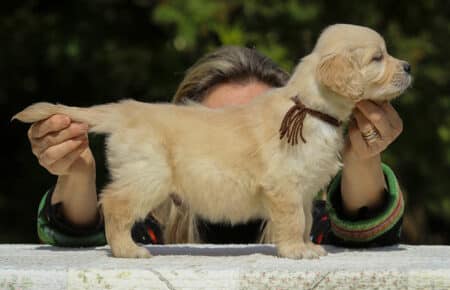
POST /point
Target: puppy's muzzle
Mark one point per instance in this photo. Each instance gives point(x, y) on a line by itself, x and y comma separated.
point(402, 78)
point(406, 67)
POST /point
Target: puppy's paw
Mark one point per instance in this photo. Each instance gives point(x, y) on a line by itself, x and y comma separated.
point(297, 251)
point(134, 252)
point(317, 248)
point(142, 252)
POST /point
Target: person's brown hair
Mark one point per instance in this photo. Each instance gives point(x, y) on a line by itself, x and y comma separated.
point(228, 64)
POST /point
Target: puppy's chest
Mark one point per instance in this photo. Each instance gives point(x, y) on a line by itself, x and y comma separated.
point(317, 160)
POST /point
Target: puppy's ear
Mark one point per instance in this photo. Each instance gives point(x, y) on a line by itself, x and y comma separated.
point(337, 73)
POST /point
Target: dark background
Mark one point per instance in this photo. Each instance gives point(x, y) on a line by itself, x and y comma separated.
point(96, 51)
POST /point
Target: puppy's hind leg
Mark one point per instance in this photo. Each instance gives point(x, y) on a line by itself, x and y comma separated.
point(119, 218)
point(121, 207)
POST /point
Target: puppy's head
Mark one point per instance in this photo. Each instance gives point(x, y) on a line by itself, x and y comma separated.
point(354, 63)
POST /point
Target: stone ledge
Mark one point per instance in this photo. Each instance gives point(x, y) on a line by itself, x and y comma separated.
point(224, 267)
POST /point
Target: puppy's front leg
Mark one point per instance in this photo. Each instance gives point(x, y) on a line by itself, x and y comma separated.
point(288, 224)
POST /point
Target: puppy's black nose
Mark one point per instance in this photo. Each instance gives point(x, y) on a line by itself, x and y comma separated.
point(407, 67)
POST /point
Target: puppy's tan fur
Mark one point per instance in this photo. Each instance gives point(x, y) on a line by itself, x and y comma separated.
point(229, 164)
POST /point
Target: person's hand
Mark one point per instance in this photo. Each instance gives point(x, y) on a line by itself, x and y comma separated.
point(61, 146)
point(373, 129)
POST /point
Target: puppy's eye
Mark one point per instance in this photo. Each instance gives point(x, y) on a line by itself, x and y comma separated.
point(377, 57)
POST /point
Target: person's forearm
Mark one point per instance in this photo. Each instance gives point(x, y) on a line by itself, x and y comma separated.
point(78, 195)
point(363, 183)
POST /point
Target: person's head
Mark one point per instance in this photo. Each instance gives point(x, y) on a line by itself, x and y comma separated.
point(230, 75)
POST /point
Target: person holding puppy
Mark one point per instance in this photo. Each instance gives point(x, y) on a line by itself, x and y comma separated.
point(363, 207)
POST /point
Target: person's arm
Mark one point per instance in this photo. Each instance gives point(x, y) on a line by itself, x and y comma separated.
point(77, 193)
point(364, 202)
point(363, 183)
point(67, 214)
point(62, 147)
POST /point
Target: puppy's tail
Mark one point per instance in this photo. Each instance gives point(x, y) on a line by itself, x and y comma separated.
point(97, 117)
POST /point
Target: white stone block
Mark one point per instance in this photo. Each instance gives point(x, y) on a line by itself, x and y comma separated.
point(224, 267)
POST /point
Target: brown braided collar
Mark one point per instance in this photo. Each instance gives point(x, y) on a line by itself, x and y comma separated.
point(292, 123)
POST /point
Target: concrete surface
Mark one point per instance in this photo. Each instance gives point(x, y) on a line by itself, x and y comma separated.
point(223, 267)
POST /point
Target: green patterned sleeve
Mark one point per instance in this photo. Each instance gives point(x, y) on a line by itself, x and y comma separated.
point(51, 231)
point(382, 227)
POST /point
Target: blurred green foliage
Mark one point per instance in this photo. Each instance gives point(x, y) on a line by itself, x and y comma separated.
point(95, 51)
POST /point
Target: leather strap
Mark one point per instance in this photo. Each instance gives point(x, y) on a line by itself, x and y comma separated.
point(292, 124)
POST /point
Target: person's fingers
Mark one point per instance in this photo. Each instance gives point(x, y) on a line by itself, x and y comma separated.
point(393, 117)
point(63, 165)
point(375, 145)
point(52, 124)
point(362, 122)
point(56, 152)
point(51, 139)
point(376, 117)
point(358, 143)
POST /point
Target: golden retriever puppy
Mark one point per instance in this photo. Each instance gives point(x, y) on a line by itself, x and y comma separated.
point(266, 159)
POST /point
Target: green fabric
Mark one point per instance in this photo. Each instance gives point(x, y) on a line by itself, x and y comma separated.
point(394, 196)
point(43, 234)
point(51, 236)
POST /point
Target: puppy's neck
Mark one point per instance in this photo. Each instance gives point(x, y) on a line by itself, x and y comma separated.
point(303, 83)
